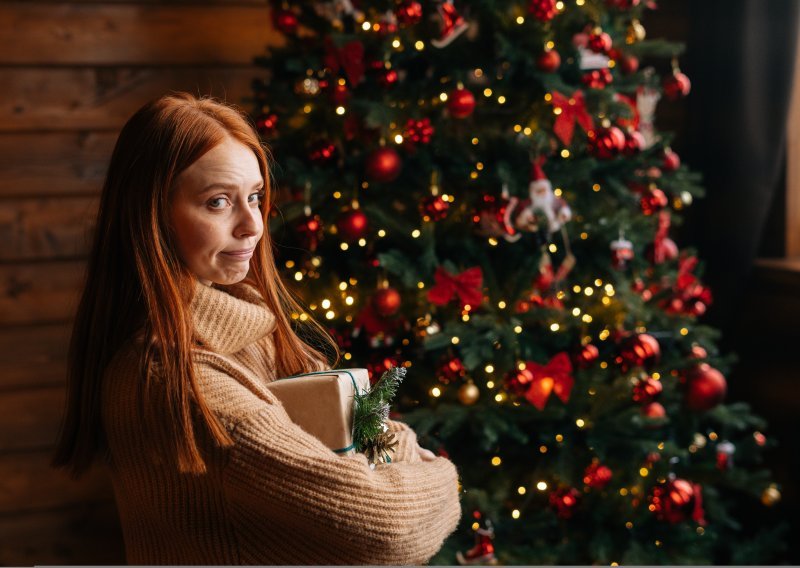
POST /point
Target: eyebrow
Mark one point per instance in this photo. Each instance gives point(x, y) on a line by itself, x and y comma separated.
point(231, 186)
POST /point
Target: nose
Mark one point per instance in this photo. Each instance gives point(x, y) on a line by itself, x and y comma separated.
point(249, 223)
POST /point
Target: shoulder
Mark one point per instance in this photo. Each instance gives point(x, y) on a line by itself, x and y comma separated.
point(228, 389)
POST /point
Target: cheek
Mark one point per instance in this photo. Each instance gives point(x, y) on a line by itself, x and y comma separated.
point(196, 237)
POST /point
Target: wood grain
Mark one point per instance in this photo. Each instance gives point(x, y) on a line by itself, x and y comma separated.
point(84, 534)
point(29, 483)
point(118, 34)
point(31, 418)
point(103, 98)
point(45, 227)
point(51, 163)
point(33, 356)
point(39, 292)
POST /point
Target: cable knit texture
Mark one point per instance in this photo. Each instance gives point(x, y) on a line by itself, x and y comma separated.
point(278, 495)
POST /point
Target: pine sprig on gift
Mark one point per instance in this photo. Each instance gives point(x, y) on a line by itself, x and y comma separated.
point(371, 413)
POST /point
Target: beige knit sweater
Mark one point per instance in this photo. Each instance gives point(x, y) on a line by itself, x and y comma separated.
point(278, 496)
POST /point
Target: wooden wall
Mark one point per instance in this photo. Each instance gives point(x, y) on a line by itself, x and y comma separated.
point(70, 75)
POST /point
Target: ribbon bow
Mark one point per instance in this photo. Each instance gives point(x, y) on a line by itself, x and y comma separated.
point(573, 109)
point(350, 57)
point(554, 377)
point(467, 286)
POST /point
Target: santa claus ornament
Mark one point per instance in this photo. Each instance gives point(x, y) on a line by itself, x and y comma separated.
point(453, 24)
point(541, 199)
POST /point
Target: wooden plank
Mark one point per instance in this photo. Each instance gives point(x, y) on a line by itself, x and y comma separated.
point(33, 356)
point(40, 292)
point(95, 98)
point(101, 34)
point(49, 163)
point(46, 227)
point(31, 418)
point(86, 534)
point(793, 166)
point(28, 483)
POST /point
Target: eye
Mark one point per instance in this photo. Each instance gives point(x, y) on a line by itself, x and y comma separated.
point(217, 202)
point(257, 197)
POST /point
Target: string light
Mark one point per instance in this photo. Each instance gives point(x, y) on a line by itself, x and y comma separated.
point(415, 233)
point(596, 187)
point(474, 141)
point(330, 314)
point(344, 246)
point(307, 109)
point(489, 369)
point(381, 233)
point(436, 392)
point(565, 153)
point(443, 97)
point(517, 128)
point(644, 472)
point(419, 46)
point(326, 303)
point(542, 449)
point(501, 304)
point(487, 92)
point(541, 486)
point(517, 329)
point(420, 285)
point(580, 423)
point(347, 356)
point(396, 43)
point(340, 110)
point(515, 514)
point(496, 461)
point(337, 194)
point(349, 300)
point(527, 131)
point(398, 138)
point(559, 438)
point(298, 276)
point(520, 20)
point(455, 340)
point(684, 331)
point(501, 100)
point(521, 490)
point(489, 384)
point(554, 327)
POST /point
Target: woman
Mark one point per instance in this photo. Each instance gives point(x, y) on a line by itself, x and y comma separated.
point(182, 323)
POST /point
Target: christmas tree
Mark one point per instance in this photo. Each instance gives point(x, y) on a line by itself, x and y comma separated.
point(476, 190)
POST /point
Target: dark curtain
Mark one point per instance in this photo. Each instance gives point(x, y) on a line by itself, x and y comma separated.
point(740, 57)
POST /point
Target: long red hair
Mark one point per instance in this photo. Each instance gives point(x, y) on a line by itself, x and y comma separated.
point(135, 281)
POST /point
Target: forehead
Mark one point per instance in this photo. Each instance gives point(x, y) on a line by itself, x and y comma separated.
point(229, 162)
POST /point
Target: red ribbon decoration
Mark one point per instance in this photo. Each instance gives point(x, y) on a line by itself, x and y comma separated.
point(659, 250)
point(467, 286)
point(350, 57)
point(554, 377)
point(573, 110)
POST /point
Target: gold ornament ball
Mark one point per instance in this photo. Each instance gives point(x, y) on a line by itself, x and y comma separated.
point(636, 32)
point(770, 496)
point(468, 394)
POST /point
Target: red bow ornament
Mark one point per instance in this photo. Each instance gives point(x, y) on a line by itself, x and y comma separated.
point(554, 377)
point(573, 109)
point(467, 286)
point(349, 57)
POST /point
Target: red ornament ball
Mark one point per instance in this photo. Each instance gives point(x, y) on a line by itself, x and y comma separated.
point(418, 131)
point(653, 410)
point(671, 161)
point(461, 103)
point(549, 61)
point(705, 387)
point(647, 390)
point(641, 350)
point(386, 302)
point(352, 225)
point(518, 381)
point(606, 143)
point(677, 86)
point(267, 123)
point(629, 64)
point(653, 200)
point(599, 42)
point(634, 142)
point(563, 501)
point(597, 475)
point(587, 355)
point(409, 13)
point(542, 10)
point(451, 369)
point(323, 152)
point(677, 500)
point(434, 207)
point(384, 165)
point(285, 20)
point(597, 78)
point(388, 78)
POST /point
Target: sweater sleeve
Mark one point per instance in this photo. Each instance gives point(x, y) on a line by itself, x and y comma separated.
point(398, 513)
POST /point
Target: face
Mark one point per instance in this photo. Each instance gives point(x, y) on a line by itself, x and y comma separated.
point(215, 213)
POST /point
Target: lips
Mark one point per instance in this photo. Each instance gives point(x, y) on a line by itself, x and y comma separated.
point(239, 254)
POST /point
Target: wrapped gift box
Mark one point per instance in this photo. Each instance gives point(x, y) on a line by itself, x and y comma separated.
point(321, 403)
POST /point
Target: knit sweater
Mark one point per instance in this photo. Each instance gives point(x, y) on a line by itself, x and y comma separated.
point(277, 495)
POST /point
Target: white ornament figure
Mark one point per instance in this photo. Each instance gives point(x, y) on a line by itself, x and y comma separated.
point(544, 200)
point(646, 100)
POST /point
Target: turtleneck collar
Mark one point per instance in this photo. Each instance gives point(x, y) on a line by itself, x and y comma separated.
point(228, 318)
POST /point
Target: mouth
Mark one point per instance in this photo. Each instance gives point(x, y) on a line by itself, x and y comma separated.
point(243, 254)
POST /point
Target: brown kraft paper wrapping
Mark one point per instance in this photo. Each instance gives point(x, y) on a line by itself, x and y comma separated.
point(321, 403)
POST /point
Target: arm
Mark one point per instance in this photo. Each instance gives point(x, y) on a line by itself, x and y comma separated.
point(398, 513)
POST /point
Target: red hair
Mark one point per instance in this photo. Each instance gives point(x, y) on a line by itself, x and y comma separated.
point(136, 281)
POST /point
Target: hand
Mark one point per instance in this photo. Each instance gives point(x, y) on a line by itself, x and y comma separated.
point(425, 455)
